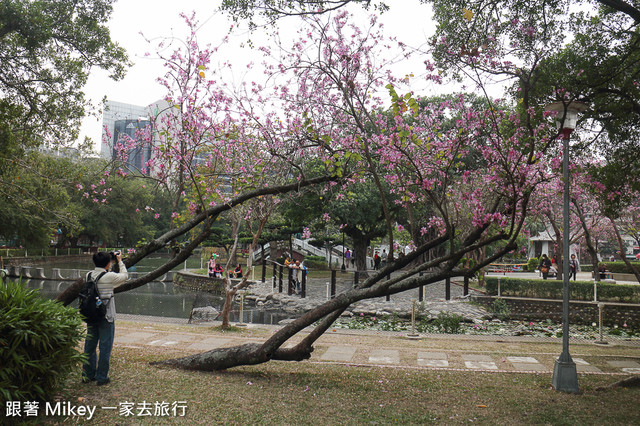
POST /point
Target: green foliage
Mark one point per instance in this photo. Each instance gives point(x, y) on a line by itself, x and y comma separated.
point(552, 289)
point(448, 322)
point(619, 267)
point(38, 344)
point(316, 262)
point(48, 49)
point(35, 199)
point(532, 264)
point(500, 309)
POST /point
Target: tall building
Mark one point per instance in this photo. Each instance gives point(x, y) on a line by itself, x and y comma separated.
point(117, 111)
point(122, 123)
point(138, 155)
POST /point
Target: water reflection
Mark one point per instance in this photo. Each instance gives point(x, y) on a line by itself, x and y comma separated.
point(161, 299)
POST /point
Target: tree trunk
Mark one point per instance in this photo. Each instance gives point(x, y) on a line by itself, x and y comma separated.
point(226, 309)
point(593, 253)
point(623, 251)
point(360, 249)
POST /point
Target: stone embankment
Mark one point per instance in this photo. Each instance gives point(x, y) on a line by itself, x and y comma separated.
point(262, 295)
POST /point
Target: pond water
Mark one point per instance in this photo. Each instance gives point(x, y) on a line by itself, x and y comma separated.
point(161, 299)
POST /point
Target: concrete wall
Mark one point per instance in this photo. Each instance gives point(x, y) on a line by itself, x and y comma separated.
point(199, 282)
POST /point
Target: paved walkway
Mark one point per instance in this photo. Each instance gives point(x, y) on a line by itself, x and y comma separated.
point(390, 349)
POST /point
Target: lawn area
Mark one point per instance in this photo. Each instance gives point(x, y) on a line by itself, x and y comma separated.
point(326, 393)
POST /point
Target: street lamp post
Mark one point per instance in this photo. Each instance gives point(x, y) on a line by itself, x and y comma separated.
point(343, 267)
point(565, 376)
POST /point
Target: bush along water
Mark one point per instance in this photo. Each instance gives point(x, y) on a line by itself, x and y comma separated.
point(38, 344)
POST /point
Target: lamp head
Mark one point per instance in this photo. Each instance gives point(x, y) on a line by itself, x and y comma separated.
point(567, 117)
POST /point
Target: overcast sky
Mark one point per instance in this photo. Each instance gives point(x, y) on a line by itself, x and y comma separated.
point(407, 20)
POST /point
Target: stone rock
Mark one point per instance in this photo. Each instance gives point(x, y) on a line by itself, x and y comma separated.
point(204, 313)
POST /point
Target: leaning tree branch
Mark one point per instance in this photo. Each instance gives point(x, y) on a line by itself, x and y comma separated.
point(72, 292)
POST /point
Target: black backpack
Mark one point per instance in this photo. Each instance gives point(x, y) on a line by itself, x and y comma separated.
point(91, 306)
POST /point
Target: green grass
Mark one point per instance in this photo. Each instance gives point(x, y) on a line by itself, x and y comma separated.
point(323, 393)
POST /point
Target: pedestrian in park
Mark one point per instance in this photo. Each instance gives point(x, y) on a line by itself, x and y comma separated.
point(212, 266)
point(102, 333)
point(545, 264)
point(383, 259)
point(347, 256)
point(237, 273)
point(295, 267)
point(376, 261)
point(574, 267)
point(218, 271)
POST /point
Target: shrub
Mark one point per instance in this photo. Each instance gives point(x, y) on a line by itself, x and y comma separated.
point(552, 289)
point(500, 309)
point(619, 267)
point(448, 322)
point(532, 265)
point(317, 265)
point(38, 341)
point(316, 258)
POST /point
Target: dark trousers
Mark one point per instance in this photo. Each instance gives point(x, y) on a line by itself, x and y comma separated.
point(100, 335)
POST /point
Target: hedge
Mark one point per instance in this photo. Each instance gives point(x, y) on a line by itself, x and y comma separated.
point(552, 289)
point(618, 267)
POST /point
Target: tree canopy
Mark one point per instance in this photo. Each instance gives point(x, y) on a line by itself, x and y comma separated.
point(47, 48)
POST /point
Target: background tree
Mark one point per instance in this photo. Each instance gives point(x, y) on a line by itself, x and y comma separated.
point(36, 199)
point(331, 97)
point(47, 49)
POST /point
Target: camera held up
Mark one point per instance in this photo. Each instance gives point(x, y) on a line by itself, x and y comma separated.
point(115, 266)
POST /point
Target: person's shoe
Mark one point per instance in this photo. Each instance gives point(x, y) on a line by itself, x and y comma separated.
point(88, 380)
point(106, 382)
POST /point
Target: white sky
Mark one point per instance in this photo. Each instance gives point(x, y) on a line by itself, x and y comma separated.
point(408, 20)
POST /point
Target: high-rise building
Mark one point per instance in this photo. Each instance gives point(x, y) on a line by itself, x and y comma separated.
point(126, 123)
point(139, 153)
point(117, 111)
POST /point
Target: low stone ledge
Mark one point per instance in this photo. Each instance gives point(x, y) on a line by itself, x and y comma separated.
point(197, 282)
point(580, 312)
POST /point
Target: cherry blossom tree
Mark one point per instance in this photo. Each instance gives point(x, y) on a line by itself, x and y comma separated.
point(477, 175)
point(330, 98)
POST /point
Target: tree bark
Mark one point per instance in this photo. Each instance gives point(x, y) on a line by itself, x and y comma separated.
point(623, 251)
point(593, 253)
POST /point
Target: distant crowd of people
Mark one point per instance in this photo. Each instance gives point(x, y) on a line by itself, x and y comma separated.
point(217, 271)
point(549, 267)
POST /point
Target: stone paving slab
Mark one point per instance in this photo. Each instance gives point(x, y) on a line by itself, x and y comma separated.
point(339, 353)
point(587, 369)
point(624, 364)
point(583, 366)
point(522, 359)
point(432, 355)
point(477, 358)
point(385, 356)
point(209, 343)
point(442, 363)
point(481, 365)
point(631, 370)
point(432, 359)
point(135, 337)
